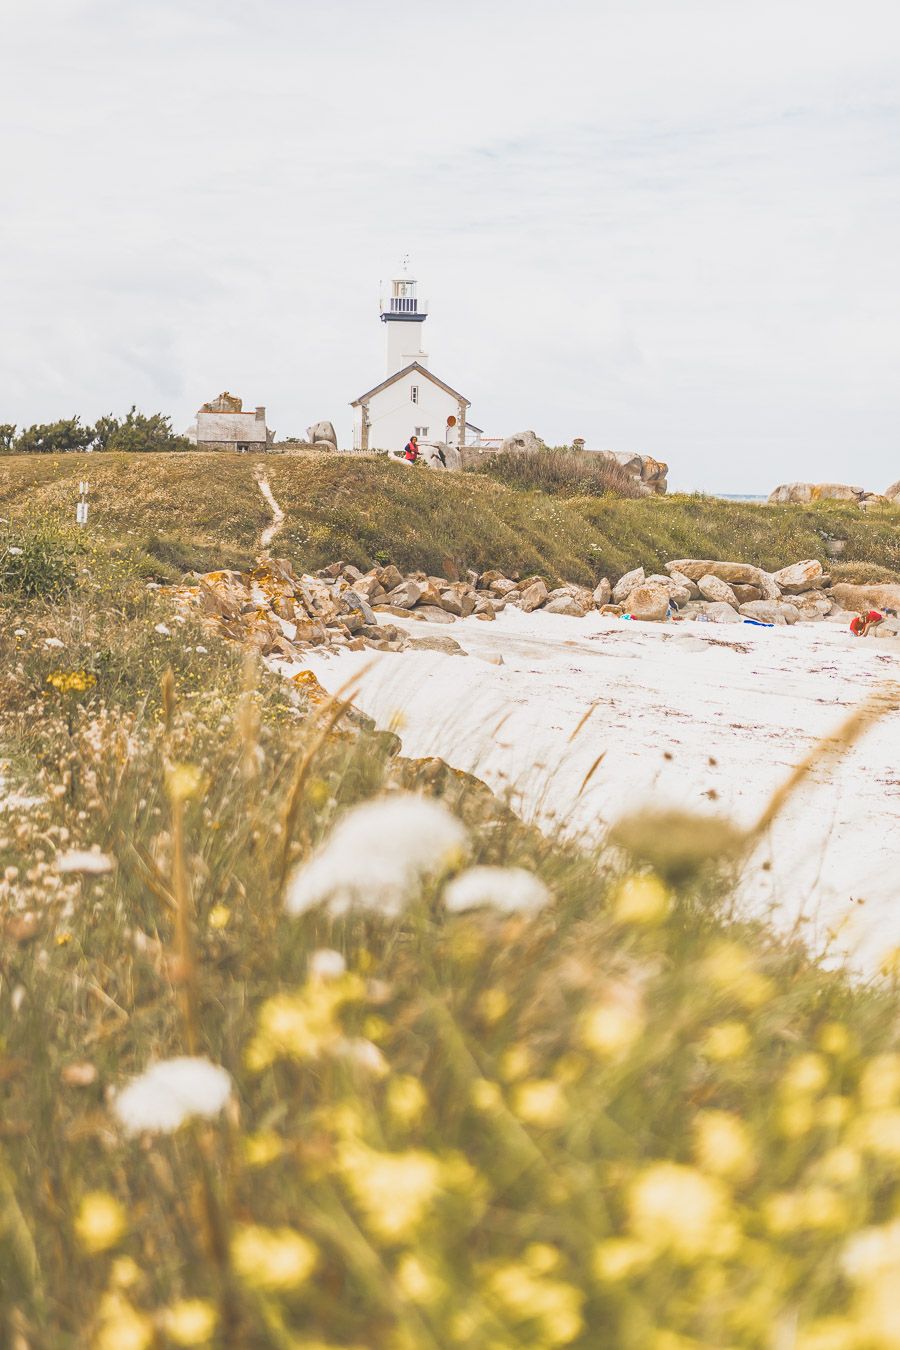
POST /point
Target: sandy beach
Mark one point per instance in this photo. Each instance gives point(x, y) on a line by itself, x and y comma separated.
point(708, 717)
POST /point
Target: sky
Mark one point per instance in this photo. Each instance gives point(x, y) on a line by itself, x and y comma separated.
point(666, 226)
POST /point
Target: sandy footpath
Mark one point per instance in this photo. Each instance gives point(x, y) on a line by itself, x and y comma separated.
point(709, 717)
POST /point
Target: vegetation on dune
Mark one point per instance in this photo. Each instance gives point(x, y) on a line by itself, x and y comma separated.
point(561, 472)
point(193, 511)
point(595, 1109)
point(134, 433)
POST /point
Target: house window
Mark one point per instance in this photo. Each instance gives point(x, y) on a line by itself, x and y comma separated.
point(421, 431)
point(414, 393)
point(242, 448)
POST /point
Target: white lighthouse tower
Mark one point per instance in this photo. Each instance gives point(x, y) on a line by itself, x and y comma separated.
point(403, 314)
point(411, 400)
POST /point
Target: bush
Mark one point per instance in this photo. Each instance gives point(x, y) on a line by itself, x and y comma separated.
point(38, 561)
point(560, 472)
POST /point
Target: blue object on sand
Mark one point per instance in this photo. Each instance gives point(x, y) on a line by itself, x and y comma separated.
point(758, 623)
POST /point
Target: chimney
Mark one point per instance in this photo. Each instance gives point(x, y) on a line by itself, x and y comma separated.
point(260, 414)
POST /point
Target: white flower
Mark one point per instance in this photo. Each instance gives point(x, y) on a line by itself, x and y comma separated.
point(53, 642)
point(164, 1096)
point(20, 632)
point(509, 889)
point(202, 650)
point(377, 854)
point(91, 862)
point(327, 964)
point(163, 630)
point(15, 552)
point(872, 1252)
point(363, 1055)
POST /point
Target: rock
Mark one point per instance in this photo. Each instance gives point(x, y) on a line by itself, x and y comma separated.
point(811, 608)
point(893, 492)
point(744, 594)
point(602, 593)
point(880, 595)
point(472, 579)
point(487, 614)
point(626, 584)
point(370, 587)
point(488, 578)
point(769, 586)
point(357, 601)
point(695, 568)
point(434, 614)
point(533, 596)
point(679, 591)
point(389, 577)
point(719, 611)
point(771, 611)
point(484, 606)
point(801, 576)
point(407, 594)
point(436, 644)
point(816, 492)
point(522, 441)
point(503, 586)
point(717, 590)
point(649, 602)
point(322, 433)
point(564, 604)
point(690, 586)
point(492, 658)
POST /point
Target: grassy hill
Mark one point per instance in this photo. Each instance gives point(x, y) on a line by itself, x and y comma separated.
point(195, 511)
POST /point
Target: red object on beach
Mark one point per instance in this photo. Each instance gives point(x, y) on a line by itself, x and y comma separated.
point(862, 622)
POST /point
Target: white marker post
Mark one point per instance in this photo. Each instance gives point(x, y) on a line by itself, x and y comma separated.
point(81, 510)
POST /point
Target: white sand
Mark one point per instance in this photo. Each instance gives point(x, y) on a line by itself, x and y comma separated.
point(708, 717)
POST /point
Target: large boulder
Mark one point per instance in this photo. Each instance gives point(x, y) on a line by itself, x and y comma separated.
point(808, 575)
point(792, 492)
point(533, 596)
point(649, 601)
point(880, 595)
point(564, 604)
point(625, 585)
point(322, 434)
point(816, 492)
point(893, 492)
point(771, 611)
point(680, 589)
point(714, 588)
point(695, 568)
point(522, 440)
point(602, 593)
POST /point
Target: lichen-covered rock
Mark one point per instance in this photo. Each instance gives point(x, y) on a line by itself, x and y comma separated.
point(602, 593)
point(626, 584)
point(695, 568)
point(533, 596)
point(564, 604)
point(800, 576)
point(649, 602)
point(715, 589)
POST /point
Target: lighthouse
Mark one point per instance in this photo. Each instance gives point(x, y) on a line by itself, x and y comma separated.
point(411, 400)
point(403, 315)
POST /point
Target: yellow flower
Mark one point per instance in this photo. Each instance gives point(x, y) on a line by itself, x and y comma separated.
point(184, 781)
point(542, 1258)
point(123, 1273)
point(272, 1259)
point(262, 1148)
point(122, 1327)
point(839, 1165)
point(726, 1040)
point(416, 1281)
point(515, 1063)
point(731, 969)
point(492, 1005)
point(829, 1333)
point(525, 1296)
point(818, 1207)
point(834, 1111)
point(642, 900)
point(722, 1144)
point(879, 1133)
point(796, 1118)
point(805, 1075)
point(613, 1026)
point(393, 1190)
point(879, 1084)
point(540, 1101)
point(485, 1095)
point(303, 1025)
point(190, 1321)
point(835, 1039)
point(406, 1099)
point(100, 1222)
point(219, 916)
point(618, 1258)
point(677, 1209)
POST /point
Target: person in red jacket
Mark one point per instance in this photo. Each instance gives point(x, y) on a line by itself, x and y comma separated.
point(864, 623)
point(412, 450)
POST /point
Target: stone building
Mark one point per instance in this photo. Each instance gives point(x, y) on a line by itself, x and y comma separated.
point(223, 425)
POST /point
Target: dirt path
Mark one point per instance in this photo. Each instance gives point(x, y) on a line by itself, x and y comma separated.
point(269, 533)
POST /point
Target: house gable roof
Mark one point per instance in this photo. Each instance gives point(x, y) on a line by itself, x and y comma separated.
point(420, 370)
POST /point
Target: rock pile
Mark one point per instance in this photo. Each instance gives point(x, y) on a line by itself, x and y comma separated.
point(282, 614)
point(835, 492)
point(727, 592)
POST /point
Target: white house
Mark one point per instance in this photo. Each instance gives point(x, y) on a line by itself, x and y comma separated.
point(223, 425)
point(410, 400)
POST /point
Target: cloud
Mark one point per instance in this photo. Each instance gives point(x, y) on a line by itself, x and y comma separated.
point(666, 228)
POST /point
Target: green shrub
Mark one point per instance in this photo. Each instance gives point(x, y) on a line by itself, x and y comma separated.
point(560, 472)
point(38, 560)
